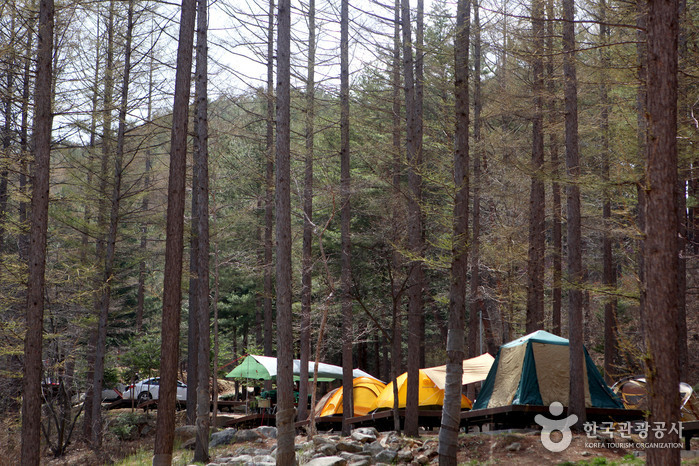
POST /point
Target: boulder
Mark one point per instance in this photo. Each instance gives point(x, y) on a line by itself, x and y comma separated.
point(405, 455)
point(350, 446)
point(328, 461)
point(246, 436)
point(363, 437)
point(514, 446)
point(267, 431)
point(386, 456)
point(327, 449)
point(184, 433)
point(222, 437)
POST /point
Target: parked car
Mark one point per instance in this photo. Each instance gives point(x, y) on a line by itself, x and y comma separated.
point(148, 389)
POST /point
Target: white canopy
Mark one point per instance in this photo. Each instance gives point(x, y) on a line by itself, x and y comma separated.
point(265, 367)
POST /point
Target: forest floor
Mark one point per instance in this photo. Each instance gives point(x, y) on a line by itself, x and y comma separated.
point(513, 448)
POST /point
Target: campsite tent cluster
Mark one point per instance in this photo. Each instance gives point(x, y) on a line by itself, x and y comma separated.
point(532, 370)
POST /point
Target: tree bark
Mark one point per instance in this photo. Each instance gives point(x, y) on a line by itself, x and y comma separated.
point(396, 263)
point(345, 218)
point(269, 193)
point(285, 383)
point(172, 283)
point(557, 260)
point(537, 195)
point(201, 173)
point(611, 351)
point(307, 247)
point(31, 383)
point(661, 266)
point(449, 431)
point(477, 305)
point(642, 137)
point(576, 402)
point(415, 286)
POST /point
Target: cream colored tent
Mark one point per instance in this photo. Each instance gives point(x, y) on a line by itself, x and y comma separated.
point(475, 370)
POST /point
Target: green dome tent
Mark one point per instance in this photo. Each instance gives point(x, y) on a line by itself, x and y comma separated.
point(535, 370)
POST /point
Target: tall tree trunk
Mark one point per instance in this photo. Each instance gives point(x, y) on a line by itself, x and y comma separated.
point(172, 282)
point(23, 239)
point(201, 173)
point(307, 259)
point(7, 130)
point(683, 185)
point(661, 266)
point(609, 267)
point(141, 293)
point(415, 285)
point(449, 431)
point(269, 192)
point(396, 263)
point(537, 195)
point(557, 260)
point(642, 137)
point(102, 209)
point(192, 323)
point(285, 383)
point(31, 383)
point(345, 218)
point(477, 305)
point(110, 240)
point(576, 402)
point(214, 301)
point(419, 93)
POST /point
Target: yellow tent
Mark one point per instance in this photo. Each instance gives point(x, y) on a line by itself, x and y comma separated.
point(429, 393)
point(364, 390)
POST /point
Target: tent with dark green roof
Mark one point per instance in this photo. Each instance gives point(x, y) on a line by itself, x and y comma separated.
point(535, 370)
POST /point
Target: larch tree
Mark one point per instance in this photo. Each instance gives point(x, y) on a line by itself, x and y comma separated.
point(415, 238)
point(43, 121)
point(285, 383)
point(174, 242)
point(95, 365)
point(201, 174)
point(576, 399)
point(396, 259)
point(449, 431)
point(661, 264)
point(477, 305)
point(307, 247)
point(537, 193)
point(268, 283)
point(110, 252)
point(642, 140)
point(345, 218)
point(608, 264)
point(557, 220)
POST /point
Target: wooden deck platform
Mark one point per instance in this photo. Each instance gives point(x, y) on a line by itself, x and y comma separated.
point(513, 416)
point(520, 416)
